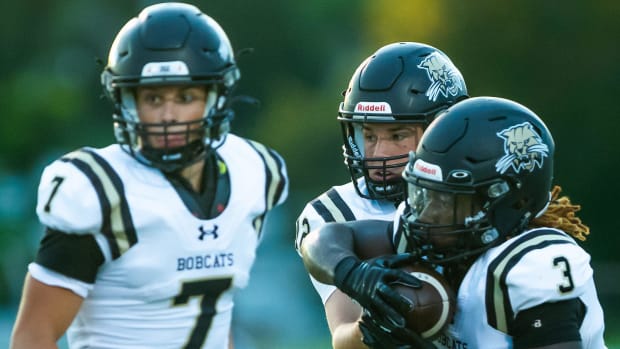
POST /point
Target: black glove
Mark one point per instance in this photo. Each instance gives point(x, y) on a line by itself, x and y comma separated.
point(369, 284)
point(377, 336)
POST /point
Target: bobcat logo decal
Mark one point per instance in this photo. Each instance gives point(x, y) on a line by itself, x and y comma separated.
point(445, 78)
point(524, 149)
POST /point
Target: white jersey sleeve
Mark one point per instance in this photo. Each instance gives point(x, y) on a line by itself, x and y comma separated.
point(557, 272)
point(540, 266)
point(76, 194)
point(276, 179)
point(338, 204)
point(67, 200)
point(328, 207)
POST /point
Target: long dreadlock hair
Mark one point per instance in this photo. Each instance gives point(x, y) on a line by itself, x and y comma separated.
point(560, 214)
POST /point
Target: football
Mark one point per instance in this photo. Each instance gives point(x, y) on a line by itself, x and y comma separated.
point(434, 303)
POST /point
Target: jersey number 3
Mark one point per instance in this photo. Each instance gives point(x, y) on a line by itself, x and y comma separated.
point(567, 285)
point(208, 291)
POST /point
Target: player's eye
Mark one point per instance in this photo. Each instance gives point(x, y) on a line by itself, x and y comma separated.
point(152, 99)
point(397, 137)
point(369, 137)
point(187, 97)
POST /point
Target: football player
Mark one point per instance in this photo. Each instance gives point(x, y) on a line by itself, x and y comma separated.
point(391, 98)
point(478, 207)
point(147, 240)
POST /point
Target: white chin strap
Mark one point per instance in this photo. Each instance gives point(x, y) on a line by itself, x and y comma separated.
point(213, 102)
point(210, 102)
point(544, 209)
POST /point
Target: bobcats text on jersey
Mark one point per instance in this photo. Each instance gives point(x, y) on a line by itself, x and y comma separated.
point(207, 261)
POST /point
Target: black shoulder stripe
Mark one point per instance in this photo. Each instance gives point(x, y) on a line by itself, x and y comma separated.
point(103, 201)
point(333, 195)
point(117, 225)
point(281, 184)
point(320, 208)
point(332, 208)
point(499, 308)
point(275, 179)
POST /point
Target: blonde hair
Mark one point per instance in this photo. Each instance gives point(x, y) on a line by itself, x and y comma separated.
point(561, 215)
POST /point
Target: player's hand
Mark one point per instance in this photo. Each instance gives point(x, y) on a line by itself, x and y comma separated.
point(369, 284)
point(381, 335)
point(376, 337)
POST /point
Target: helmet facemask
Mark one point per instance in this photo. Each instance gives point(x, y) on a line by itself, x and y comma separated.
point(382, 175)
point(448, 225)
point(149, 142)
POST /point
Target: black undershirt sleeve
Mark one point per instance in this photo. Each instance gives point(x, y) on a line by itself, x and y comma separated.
point(549, 323)
point(73, 255)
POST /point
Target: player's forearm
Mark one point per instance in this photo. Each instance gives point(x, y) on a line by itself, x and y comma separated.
point(23, 340)
point(322, 250)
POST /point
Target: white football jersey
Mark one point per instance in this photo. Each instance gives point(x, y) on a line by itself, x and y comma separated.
point(339, 204)
point(168, 277)
point(538, 266)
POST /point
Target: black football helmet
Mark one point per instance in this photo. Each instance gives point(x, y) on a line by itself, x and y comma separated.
point(404, 82)
point(481, 172)
point(167, 44)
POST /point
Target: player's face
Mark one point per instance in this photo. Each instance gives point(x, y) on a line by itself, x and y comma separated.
point(170, 115)
point(388, 140)
point(444, 214)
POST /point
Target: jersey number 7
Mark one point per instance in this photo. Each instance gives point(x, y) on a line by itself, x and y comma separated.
point(57, 182)
point(209, 291)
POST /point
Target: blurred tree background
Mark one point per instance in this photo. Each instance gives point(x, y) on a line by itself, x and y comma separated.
point(558, 58)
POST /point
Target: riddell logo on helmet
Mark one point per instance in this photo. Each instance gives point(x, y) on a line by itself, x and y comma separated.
point(373, 107)
point(422, 168)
